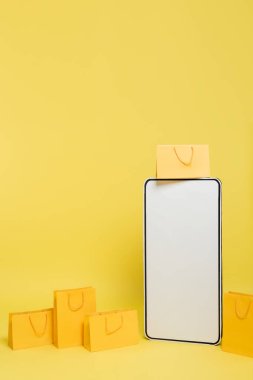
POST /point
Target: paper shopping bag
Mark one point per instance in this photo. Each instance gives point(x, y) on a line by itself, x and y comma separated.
point(182, 161)
point(111, 330)
point(30, 329)
point(238, 323)
point(70, 307)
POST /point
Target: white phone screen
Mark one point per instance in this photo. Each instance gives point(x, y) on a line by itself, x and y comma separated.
point(182, 228)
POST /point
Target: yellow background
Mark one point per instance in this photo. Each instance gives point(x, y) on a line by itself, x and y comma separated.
point(88, 89)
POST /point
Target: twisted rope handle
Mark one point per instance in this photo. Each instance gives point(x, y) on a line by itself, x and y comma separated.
point(38, 334)
point(182, 161)
point(109, 332)
point(239, 316)
point(75, 308)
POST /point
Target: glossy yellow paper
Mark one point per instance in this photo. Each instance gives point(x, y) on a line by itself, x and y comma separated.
point(70, 307)
point(238, 323)
point(30, 329)
point(182, 161)
point(112, 329)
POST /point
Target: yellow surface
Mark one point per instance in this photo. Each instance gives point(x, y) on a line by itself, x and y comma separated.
point(88, 89)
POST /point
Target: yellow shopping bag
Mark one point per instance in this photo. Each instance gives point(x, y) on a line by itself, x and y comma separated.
point(238, 323)
point(111, 330)
point(182, 161)
point(70, 307)
point(30, 329)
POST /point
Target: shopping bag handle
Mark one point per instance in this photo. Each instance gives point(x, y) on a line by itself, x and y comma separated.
point(239, 315)
point(39, 334)
point(109, 332)
point(75, 308)
point(186, 163)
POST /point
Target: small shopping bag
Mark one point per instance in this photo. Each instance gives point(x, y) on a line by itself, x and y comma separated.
point(112, 329)
point(70, 307)
point(182, 161)
point(238, 323)
point(30, 329)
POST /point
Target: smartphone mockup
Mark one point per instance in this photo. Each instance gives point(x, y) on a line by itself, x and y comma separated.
point(182, 260)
